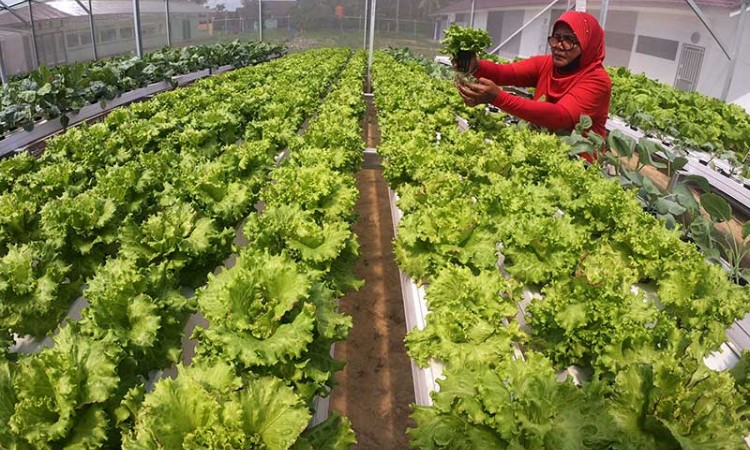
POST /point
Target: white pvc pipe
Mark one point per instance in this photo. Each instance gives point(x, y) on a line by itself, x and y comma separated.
point(364, 44)
point(735, 51)
point(137, 28)
point(260, 20)
point(3, 75)
point(372, 43)
point(603, 14)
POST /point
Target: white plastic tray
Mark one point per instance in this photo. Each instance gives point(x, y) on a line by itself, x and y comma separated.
point(415, 309)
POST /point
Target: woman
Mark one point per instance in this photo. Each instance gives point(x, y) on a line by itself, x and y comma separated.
point(569, 83)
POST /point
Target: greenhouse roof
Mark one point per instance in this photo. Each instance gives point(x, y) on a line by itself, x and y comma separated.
point(465, 5)
point(42, 11)
point(72, 8)
point(55, 9)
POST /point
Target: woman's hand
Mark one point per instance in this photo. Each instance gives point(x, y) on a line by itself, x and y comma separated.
point(483, 91)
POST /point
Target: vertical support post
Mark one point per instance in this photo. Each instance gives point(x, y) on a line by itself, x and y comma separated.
point(260, 20)
point(434, 34)
point(3, 75)
point(137, 28)
point(93, 32)
point(471, 16)
point(603, 14)
point(398, 18)
point(372, 43)
point(367, 4)
point(736, 49)
point(33, 36)
point(169, 24)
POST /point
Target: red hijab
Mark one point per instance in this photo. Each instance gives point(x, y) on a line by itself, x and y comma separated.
point(591, 37)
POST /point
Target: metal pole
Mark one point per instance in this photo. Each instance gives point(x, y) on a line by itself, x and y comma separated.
point(137, 25)
point(3, 75)
point(33, 36)
point(169, 25)
point(603, 13)
point(471, 17)
point(93, 31)
point(260, 20)
point(735, 51)
point(398, 25)
point(372, 43)
point(523, 27)
point(698, 12)
point(367, 4)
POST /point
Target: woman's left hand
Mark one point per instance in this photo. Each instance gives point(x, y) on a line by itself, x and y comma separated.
point(483, 91)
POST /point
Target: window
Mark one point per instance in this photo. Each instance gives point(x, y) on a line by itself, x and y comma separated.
point(622, 41)
point(661, 48)
point(108, 35)
point(126, 33)
point(72, 40)
point(85, 38)
point(149, 30)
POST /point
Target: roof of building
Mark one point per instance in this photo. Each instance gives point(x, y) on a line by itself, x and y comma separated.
point(58, 9)
point(461, 6)
point(72, 7)
point(42, 11)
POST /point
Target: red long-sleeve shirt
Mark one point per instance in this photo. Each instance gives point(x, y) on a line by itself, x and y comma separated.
point(589, 96)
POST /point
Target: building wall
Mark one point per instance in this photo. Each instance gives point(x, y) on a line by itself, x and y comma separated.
point(15, 55)
point(62, 41)
point(652, 41)
point(685, 28)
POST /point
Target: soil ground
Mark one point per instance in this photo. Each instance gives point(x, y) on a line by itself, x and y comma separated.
point(375, 388)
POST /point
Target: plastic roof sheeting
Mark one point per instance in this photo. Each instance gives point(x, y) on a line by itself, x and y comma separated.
point(72, 8)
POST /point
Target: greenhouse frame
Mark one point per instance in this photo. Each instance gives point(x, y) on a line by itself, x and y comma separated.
point(374, 224)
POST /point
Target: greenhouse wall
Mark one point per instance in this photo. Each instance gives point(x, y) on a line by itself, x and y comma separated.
point(667, 43)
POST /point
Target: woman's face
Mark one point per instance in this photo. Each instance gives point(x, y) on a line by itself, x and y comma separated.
point(561, 57)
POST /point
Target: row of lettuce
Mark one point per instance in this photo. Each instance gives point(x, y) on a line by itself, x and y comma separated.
point(494, 213)
point(693, 119)
point(48, 93)
point(140, 210)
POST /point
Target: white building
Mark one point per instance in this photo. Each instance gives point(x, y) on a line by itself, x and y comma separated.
point(63, 33)
point(662, 38)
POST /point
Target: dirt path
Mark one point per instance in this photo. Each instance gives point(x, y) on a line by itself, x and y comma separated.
point(375, 388)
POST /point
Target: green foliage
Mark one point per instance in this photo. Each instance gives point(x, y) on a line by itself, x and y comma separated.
point(458, 38)
point(514, 405)
point(208, 406)
point(49, 93)
point(141, 206)
point(693, 119)
point(624, 300)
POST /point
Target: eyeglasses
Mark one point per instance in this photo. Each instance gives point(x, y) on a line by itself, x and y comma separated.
point(568, 42)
